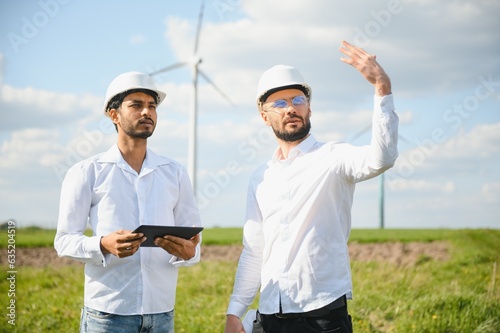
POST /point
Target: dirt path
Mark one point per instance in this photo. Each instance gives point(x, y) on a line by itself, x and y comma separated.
point(399, 254)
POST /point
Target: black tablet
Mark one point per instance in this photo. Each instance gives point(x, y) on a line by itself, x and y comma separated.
point(153, 231)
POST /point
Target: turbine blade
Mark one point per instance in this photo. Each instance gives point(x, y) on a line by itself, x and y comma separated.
point(168, 68)
point(215, 87)
point(198, 29)
point(402, 138)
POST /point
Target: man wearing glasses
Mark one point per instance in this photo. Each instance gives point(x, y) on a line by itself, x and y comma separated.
point(298, 215)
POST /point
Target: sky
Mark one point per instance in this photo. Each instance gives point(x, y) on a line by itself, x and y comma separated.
point(57, 58)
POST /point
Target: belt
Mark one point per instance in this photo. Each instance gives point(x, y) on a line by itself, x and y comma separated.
point(339, 302)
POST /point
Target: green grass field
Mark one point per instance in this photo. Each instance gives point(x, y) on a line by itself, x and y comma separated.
point(458, 295)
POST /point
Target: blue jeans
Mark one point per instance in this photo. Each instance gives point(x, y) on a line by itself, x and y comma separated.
point(93, 321)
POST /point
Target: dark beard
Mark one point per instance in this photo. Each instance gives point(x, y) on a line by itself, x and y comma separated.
point(131, 132)
point(296, 135)
point(138, 135)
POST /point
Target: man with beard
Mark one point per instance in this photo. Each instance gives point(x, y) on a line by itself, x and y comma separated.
point(298, 215)
point(128, 288)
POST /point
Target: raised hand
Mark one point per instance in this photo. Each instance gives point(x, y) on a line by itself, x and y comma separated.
point(368, 66)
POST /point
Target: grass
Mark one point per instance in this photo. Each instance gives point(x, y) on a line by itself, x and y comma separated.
point(47, 299)
point(458, 295)
point(401, 235)
point(455, 296)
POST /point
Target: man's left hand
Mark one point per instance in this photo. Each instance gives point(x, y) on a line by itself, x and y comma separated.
point(184, 249)
point(366, 64)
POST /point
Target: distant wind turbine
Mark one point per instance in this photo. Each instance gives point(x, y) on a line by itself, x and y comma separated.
point(381, 203)
point(194, 64)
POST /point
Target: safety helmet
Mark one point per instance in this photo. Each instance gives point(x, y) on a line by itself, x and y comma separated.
point(131, 81)
point(278, 78)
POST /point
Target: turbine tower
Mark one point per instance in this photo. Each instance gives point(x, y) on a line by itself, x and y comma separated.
point(194, 64)
point(381, 201)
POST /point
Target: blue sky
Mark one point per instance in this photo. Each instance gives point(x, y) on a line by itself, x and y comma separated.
point(57, 58)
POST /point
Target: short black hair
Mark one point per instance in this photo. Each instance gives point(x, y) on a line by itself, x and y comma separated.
point(117, 100)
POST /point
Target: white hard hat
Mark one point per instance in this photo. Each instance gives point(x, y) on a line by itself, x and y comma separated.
point(278, 78)
point(131, 81)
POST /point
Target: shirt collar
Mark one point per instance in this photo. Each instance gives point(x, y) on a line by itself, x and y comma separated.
point(113, 155)
point(152, 160)
point(302, 148)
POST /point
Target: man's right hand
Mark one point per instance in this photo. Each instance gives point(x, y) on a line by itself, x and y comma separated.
point(121, 243)
point(233, 325)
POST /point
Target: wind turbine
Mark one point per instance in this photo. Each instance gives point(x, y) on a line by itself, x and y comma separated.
point(381, 203)
point(194, 64)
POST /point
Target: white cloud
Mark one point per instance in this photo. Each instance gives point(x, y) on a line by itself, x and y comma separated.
point(54, 130)
point(405, 117)
point(41, 108)
point(407, 53)
point(137, 39)
point(491, 192)
point(177, 99)
point(341, 126)
point(311, 40)
point(178, 33)
point(49, 102)
point(465, 152)
point(480, 143)
point(28, 147)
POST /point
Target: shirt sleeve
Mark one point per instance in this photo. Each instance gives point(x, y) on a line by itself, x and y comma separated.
point(247, 280)
point(365, 162)
point(74, 209)
point(185, 263)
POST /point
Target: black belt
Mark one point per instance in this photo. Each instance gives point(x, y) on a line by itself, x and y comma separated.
point(340, 302)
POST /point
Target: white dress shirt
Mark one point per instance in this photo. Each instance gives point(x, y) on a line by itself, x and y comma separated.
point(108, 194)
point(298, 220)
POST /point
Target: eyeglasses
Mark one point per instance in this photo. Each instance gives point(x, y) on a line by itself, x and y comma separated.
point(281, 105)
